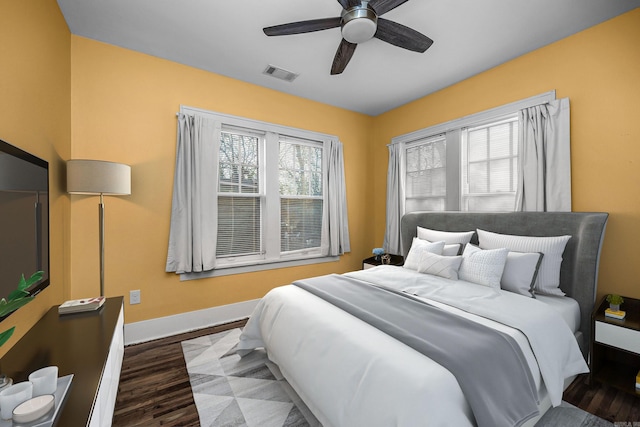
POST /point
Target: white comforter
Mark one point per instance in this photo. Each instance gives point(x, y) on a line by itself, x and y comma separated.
point(351, 374)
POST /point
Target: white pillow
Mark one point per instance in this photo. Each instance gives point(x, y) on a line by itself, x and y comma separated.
point(418, 247)
point(438, 265)
point(520, 272)
point(552, 247)
point(450, 250)
point(448, 237)
point(483, 267)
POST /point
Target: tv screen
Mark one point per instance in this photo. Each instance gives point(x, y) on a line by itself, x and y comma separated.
point(24, 218)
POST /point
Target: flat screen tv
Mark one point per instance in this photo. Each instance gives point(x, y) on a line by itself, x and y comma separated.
point(24, 219)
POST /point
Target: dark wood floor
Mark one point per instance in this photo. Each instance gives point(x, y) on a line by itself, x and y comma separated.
point(604, 401)
point(154, 385)
point(154, 388)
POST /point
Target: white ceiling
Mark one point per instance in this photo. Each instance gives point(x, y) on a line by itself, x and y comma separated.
point(225, 37)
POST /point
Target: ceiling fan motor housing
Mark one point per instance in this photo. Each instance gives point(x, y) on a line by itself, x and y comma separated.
point(359, 24)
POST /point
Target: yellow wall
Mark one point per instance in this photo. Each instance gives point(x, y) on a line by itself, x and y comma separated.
point(35, 116)
point(123, 109)
point(599, 70)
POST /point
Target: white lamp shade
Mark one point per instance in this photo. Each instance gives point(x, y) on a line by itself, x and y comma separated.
point(98, 177)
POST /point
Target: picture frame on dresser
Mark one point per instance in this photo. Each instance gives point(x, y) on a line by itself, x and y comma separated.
point(615, 346)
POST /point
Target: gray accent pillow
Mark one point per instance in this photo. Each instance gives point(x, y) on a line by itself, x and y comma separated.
point(552, 247)
point(453, 249)
point(483, 267)
point(520, 272)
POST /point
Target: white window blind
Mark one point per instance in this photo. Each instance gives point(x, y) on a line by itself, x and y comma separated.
point(239, 195)
point(426, 175)
point(490, 166)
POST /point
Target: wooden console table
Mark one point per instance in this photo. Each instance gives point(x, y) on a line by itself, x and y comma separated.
point(88, 345)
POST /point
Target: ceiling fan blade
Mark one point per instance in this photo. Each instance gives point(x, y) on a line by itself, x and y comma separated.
point(401, 36)
point(302, 27)
point(383, 6)
point(343, 56)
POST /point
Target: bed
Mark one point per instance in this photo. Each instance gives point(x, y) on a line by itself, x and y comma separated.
point(351, 373)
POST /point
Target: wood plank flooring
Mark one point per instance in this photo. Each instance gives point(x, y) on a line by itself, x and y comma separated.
point(604, 401)
point(154, 388)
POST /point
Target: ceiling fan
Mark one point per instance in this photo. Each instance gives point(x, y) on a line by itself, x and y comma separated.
point(360, 21)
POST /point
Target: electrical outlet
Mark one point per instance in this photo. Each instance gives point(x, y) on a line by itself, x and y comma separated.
point(134, 297)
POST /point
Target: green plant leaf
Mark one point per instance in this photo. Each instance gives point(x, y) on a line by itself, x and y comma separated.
point(24, 284)
point(4, 336)
point(12, 306)
point(17, 294)
point(17, 299)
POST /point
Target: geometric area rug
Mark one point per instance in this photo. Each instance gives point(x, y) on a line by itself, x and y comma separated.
point(230, 391)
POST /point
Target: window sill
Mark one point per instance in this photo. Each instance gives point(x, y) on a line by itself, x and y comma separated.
point(227, 271)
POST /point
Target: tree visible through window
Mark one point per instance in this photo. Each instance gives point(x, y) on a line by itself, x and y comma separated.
point(300, 170)
point(239, 204)
point(244, 196)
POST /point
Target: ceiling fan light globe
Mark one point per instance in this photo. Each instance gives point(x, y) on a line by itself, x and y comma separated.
point(359, 24)
point(359, 30)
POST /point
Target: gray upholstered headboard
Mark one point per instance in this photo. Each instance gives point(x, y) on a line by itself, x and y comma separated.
point(579, 272)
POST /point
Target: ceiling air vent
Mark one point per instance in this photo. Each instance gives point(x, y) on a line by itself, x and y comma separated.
point(280, 73)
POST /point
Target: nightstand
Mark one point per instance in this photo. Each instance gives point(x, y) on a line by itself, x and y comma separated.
point(371, 261)
point(615, 346)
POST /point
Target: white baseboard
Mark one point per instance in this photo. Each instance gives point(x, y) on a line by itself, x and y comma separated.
point(161, 327)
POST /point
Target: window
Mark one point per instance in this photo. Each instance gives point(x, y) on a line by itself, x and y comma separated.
point(467, 164)
point(259, 221)
point(490, 166)
point(300, 167)
point(426, 180)
point(478, 163)
point(275, 194)
point(466, 169)
point(239, 196)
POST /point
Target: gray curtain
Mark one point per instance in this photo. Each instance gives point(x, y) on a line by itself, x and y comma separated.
point(395, 199)
point(544, 181)
point(194, 208)
point(337, 200)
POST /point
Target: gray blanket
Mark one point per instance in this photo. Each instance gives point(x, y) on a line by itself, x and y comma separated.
point(488, 364)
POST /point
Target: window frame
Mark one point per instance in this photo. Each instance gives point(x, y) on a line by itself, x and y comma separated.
point(269, 195)
point(227, 260)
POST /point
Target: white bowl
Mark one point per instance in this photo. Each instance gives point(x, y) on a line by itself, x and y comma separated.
point(12, 396)
point(33, 409)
